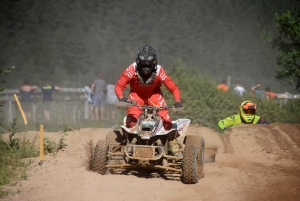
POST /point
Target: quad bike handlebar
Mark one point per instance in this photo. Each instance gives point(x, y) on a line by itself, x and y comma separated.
point(128, 104)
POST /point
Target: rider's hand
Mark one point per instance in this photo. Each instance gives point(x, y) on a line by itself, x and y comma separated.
point(227, 128)
point(122, 100)
point(178, 105)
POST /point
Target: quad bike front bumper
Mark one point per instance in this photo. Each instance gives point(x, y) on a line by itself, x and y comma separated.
point(148, 157)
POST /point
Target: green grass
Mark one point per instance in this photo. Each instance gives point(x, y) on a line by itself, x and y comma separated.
point(15, 161)
point(16, 156)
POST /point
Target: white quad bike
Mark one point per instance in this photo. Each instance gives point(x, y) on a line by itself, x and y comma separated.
point(146, 146)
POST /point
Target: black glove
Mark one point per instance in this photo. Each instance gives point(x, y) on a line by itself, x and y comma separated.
point(178, 105)
point(123, 100)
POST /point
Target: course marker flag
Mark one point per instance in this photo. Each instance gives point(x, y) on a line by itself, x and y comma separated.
point(20, 108)
point(41, 144)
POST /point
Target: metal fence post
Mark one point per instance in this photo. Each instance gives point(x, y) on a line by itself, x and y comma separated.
point(34, 112)
point(86, 110)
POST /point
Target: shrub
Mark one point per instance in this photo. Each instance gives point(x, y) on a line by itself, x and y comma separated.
point(205, 105)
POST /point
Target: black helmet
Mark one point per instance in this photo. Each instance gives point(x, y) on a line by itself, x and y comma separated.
point(146, 60)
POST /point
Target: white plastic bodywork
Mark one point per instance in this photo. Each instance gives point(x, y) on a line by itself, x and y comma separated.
point(180, 125)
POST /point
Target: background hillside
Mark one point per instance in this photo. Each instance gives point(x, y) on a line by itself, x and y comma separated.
point(69, 41)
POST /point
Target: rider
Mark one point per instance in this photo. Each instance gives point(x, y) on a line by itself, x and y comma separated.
point(246, 115)
point(145, 78)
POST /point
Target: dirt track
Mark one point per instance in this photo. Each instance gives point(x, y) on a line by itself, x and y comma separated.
point(250, 162)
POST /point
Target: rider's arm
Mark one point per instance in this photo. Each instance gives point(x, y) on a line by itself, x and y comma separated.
point(262, 121)
point(124, 80)
point(32, 88)
point(169, 84)
point(224, 124)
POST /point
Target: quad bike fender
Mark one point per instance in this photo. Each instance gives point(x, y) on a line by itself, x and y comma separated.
point(181, 125)
point(135, 131)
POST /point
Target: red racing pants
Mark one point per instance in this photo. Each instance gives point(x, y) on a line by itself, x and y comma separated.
point(133, 113)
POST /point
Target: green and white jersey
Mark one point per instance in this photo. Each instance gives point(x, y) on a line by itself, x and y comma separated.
point(234, 120)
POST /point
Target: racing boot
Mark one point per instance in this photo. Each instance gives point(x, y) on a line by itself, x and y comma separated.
point(175, 148)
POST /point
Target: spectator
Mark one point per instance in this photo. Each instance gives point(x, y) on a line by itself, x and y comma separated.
point(98, 89)
point(239, 89)
point(246, 115)
point(47, 90)
point(26, 92)
point(257, 91)
point(111, 100)
point(269, 94)
point(223, 86)
point(88, 91)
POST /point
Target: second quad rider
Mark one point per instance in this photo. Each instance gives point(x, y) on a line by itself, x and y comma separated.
point(145, 78)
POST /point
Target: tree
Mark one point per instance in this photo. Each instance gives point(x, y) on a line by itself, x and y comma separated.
point(288, 46)
point(3, 71)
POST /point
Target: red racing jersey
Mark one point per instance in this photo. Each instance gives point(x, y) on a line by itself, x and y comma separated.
point(129, 76)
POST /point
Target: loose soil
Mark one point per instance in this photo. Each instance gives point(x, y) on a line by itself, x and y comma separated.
point(249, 162)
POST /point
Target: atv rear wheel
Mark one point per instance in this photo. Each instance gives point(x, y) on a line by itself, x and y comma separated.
point(100, 157)
point(193, 159)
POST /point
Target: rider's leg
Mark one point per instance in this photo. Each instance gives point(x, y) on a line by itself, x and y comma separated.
point(167, 123)
point(133, 113)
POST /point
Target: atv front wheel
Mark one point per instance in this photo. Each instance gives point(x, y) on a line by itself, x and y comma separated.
point(193, 159)
point(199, 144)
point(100, 157)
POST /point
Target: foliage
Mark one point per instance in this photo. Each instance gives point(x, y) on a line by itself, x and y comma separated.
point(51, 146)
point(205, 105)
point(13, 142)
point(15, 159)
point(46, 38)
point(66, 128)
point(15, 156)
point(288, 46)
point(4, 71)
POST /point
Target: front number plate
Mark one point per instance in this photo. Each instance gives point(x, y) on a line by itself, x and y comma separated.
point(143, 152)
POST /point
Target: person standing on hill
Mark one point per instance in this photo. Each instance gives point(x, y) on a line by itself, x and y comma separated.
point(99, 90)
point(269, 94)
point(145, 78)
point(246, 115)
point(239, 89)
point(257, 91)
point(26, 100)
point(223, 87)
point(90, 99)
point(47, 91)
point(111, 100)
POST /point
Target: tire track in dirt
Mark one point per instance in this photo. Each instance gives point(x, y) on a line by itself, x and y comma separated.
point(225, 137)
point(281, 141)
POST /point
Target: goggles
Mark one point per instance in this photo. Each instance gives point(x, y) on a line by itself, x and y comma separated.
point(249, 111)
point(146, 61)
point(249, 108)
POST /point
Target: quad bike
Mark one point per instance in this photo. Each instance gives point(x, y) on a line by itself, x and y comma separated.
point(146, 146)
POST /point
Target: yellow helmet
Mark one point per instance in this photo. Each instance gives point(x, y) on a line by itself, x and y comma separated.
point(247, 111)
